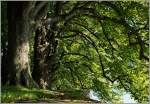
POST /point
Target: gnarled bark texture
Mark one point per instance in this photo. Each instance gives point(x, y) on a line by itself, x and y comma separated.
point(45, 58)
point(18, 44)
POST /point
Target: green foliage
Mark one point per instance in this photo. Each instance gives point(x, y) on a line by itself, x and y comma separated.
point(102, 46)
point(108, 53)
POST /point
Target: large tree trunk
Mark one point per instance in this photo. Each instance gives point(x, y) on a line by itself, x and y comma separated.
point(18, 44)
point(4, 42)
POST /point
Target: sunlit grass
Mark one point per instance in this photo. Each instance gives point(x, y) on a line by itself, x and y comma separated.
point(10, 94)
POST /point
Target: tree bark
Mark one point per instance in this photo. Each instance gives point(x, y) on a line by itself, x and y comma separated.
point(19, 29)
point(45, 58)
point(39, 48)
point(4, 31)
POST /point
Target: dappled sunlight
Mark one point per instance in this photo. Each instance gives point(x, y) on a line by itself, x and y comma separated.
point(75, 51)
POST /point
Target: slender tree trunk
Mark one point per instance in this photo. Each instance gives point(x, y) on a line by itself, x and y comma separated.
point(18, 44)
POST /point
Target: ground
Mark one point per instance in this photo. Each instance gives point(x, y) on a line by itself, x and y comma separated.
point(23, 95)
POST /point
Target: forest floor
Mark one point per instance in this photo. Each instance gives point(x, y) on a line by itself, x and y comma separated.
point(15, 94)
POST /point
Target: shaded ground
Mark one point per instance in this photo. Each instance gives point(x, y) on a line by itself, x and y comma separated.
point(56, 101)
point(23, 95)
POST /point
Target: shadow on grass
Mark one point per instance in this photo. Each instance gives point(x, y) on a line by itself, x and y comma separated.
point(12, 94)
point(24, 95)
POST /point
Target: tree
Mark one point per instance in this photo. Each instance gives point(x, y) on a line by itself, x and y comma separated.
point(97, 46)
point(104, 47)
point(4, 41)
point(19, 30)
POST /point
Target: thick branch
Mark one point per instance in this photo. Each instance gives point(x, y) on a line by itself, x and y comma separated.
point(80, 24)
point(39, 5)
point(29, 6)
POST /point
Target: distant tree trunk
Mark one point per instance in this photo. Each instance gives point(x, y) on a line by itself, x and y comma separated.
point(51, 58)
point(18, 44)
point(45, 60)
point(39, 56)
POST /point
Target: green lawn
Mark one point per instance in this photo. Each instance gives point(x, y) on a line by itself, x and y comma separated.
point(14, 94)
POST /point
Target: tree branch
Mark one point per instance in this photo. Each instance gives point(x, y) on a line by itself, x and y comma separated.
point(100, 59)
point(67, 36)
point(38, 6)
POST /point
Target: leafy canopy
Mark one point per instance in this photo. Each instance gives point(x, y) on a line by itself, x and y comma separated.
point(103, 46)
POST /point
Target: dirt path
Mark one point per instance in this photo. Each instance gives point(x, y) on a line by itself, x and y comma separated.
point(54, 101)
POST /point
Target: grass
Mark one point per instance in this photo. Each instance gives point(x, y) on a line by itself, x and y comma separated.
point(10, 94)
point(13, 93)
